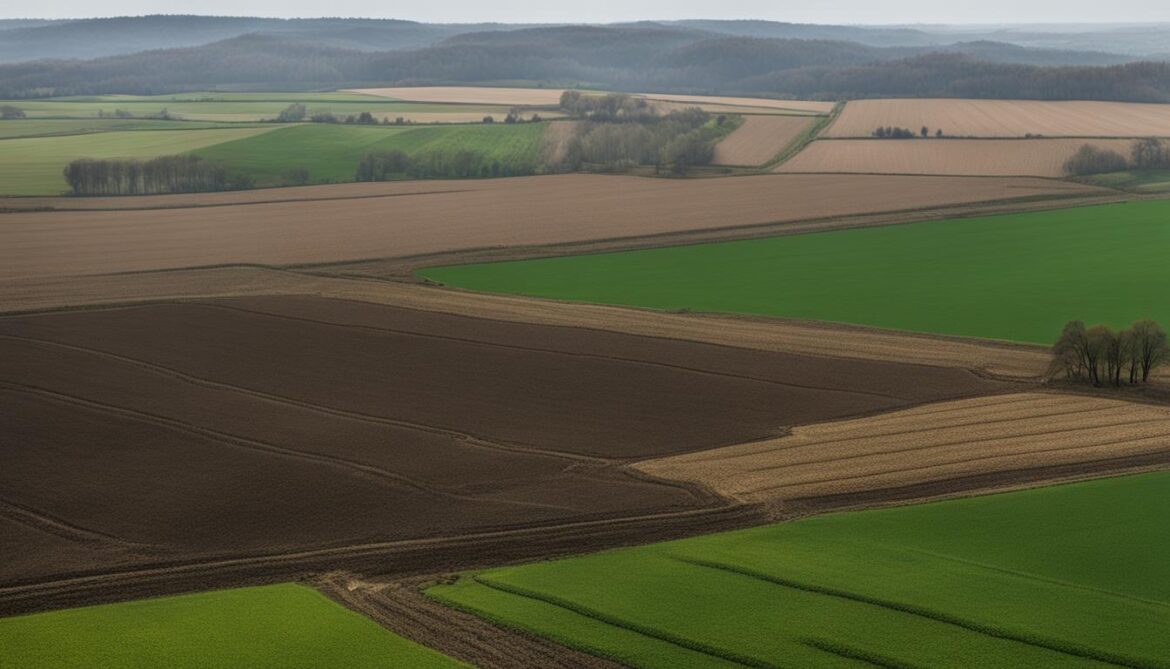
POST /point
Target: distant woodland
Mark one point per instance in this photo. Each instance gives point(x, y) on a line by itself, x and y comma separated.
point(684, 57)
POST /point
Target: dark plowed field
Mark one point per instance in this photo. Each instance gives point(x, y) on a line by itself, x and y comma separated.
point(230, 428)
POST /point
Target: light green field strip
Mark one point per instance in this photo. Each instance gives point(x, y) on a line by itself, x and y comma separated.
point(1070, 576)
point(237, 109)
point(52, 127)
point(331, 152)
point(226, 96)
point(1145, 181)
point(1015, 277)
point(34, 165)
point(277, 626)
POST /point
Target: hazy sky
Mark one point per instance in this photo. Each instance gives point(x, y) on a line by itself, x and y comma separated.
point(604, 11)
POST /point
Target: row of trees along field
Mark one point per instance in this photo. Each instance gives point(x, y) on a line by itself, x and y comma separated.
point(439, 163)
point(165, 174)
point(1144, 154)
point(620, 131)
point(891, 132)
point(1101, 356)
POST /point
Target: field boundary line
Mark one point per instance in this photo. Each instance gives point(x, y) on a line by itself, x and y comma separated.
point(231, 440)
point(308, 560)
point(463, 437)
point(615, 621)
point(841, 650)
point(981, 458)
point(211, 205)
point(43, 522)
point(1031, 577)
point(808, 136)
point(1065, 648)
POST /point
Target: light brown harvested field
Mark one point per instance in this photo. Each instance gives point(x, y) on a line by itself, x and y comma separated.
point(1004, 118)
point(491, 213)
point(1014, 361)
point(478, 95)
point(256, 196)
point(663, 107)
point(269, 424)
point(938, 446)
point(458, 116)
point(759, 139)
point(968, 157)
point(814, 106)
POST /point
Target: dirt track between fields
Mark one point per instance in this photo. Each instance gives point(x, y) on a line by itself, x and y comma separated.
point(243, 427)
point(401, 607)
point(504, 213)
point(937, 449)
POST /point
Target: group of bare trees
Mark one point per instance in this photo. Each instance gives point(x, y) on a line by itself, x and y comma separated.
point(11, 112)
point(621, 131)
point(1091, 159)
point(1102, 356)
point(612, 108)
point(165, 174)
point(1150, 154)
point(1144, 154)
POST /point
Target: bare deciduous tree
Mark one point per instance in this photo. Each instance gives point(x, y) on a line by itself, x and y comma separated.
point(1099, 355)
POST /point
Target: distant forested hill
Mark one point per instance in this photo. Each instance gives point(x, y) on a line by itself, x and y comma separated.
point(687, 57)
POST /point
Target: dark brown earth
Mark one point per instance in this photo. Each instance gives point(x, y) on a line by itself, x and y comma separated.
point(401, 607)
point(254, 431)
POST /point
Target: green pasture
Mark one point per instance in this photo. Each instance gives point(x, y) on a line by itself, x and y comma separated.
point(1139, 181)
point(276, 626)
point(331, 152)
point(34, 165)
point(1014, 277)
point(1071, 576)
point(52, 127)
point(238, 107)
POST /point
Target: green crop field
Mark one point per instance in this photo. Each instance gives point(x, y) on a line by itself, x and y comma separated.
point(1072, 576)
point(33, 165)
point(277, 626)
point(1015, 277)
point(331, 152)
point(51, 127)
point(1140, 181)
point(237, 107)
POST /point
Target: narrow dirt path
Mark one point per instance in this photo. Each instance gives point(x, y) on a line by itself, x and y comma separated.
point(400, 607)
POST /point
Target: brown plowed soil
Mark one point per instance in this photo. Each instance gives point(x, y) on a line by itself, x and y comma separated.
point(759, 139)
point(235, 427)
point(401, 607)
point(766, 334)
point(503, 213)
point(933, 449)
